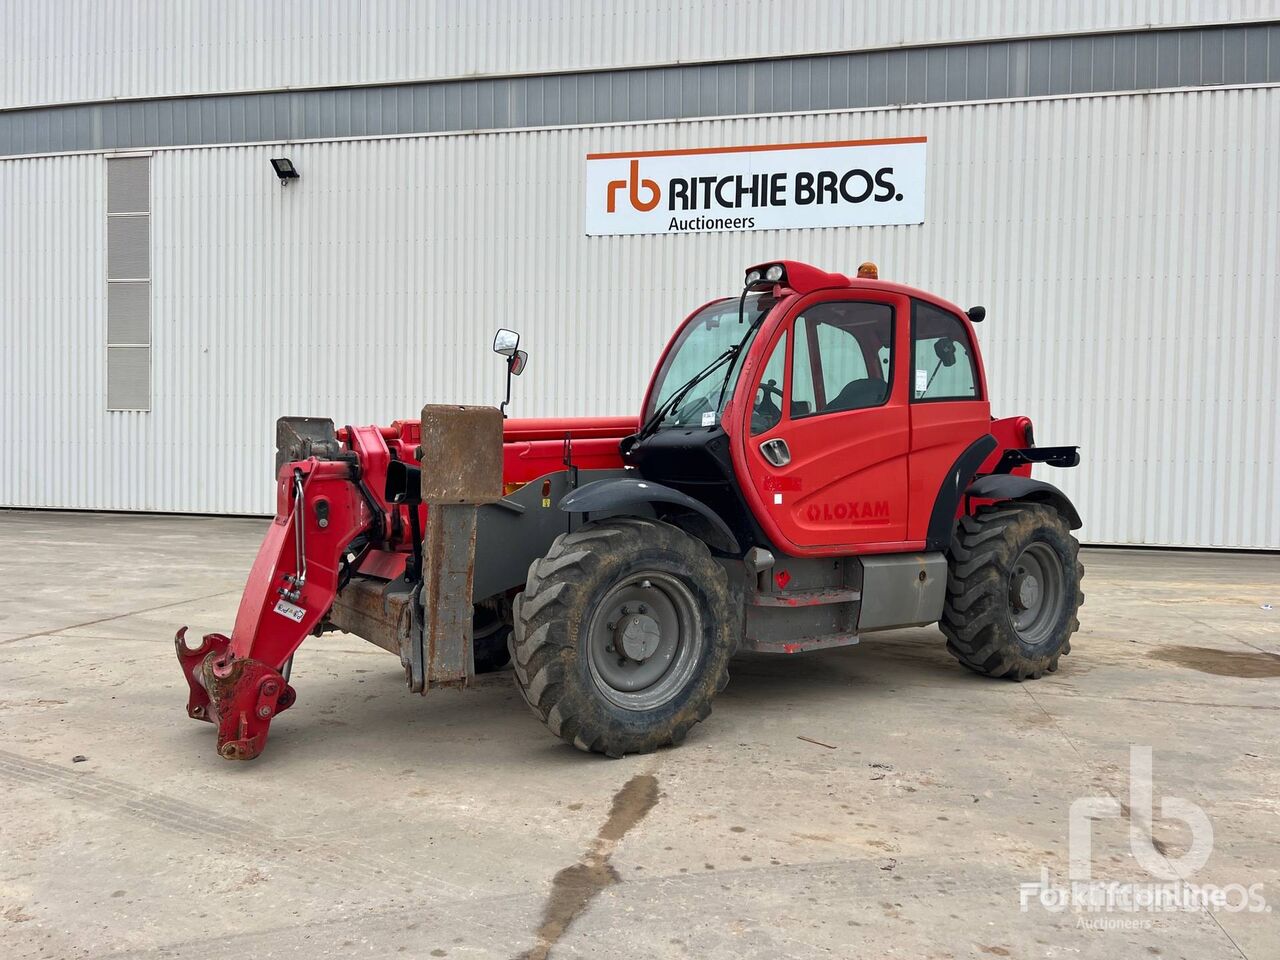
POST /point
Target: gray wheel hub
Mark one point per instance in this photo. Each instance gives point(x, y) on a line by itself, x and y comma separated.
point(643, 640)
point(1037, 591)
point(638, 637)
point(1026, 592)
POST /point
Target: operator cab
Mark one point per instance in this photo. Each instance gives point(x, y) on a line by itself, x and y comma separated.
point(797, 410)
point(682, 442)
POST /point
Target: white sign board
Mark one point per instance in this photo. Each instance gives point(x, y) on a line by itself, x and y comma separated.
point(852, 183)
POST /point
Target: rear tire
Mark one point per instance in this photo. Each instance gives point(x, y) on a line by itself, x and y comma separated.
point(491, 635)
point(1013, 590)
point(623, 636)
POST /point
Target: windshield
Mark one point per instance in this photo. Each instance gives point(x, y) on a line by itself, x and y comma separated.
point(711, 332)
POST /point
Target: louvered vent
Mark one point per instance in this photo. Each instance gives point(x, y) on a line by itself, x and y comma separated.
point(128, 378)
point(129, 283)
point(129, 313)
point(129, 185)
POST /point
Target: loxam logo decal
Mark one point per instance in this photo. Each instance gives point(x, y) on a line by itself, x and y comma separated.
point(848, 510)
point(758, 187)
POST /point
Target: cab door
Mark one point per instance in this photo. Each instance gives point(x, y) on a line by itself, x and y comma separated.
point(828, 440)
point(949, 408)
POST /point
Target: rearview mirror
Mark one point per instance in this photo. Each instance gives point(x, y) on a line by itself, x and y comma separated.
point(517, 362)
point(505, 342)
point(945, 348)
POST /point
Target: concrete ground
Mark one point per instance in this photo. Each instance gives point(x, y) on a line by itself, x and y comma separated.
point(382, 824)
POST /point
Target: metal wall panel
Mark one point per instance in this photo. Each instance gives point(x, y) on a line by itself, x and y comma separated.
point(940, 74)
point(59, 51)
point(1125, 247)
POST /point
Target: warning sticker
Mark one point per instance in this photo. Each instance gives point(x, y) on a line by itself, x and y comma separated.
point(292, 611)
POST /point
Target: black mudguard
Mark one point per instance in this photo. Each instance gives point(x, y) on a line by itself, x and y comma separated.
point(942, 520)
point(1006, 486)
point(616, 495)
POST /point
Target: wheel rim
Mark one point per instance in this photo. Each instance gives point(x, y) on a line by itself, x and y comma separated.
point(1036, 593)
point(642, 640)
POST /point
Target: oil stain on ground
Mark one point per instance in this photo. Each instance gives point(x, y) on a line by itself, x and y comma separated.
point(1251, 665)
point(576, 886)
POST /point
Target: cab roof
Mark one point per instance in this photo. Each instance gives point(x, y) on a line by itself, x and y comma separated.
point(805, 278)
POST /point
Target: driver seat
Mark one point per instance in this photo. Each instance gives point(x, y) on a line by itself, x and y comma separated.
point(858, 394)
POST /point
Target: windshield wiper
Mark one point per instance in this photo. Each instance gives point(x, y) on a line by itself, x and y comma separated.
point(674, 400)
point(728, 374)
point(731, 354)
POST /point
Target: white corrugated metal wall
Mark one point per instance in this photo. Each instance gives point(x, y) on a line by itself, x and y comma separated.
point(67, 50)
point(1125, 246)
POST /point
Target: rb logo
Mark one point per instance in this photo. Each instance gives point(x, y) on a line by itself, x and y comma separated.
point(633, 192)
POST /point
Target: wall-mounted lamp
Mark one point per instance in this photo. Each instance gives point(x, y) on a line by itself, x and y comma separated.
point(284, 169)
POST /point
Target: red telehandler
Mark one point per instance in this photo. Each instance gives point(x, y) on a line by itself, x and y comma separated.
point(815, 460)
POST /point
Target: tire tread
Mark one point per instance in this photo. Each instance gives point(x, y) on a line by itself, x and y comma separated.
point(975, 615)
point(544, 639)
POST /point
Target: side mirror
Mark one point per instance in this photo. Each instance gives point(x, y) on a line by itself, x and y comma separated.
point(945, 348)
point(976, 314)
point(505, 342)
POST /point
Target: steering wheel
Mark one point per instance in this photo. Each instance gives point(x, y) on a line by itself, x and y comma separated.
point(766, 413)
point(690, 409)
point(767, 389)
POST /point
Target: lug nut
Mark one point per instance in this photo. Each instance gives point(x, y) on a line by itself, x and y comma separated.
point(641, 608)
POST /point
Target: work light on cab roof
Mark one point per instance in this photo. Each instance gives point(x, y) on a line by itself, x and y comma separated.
point(796, 276)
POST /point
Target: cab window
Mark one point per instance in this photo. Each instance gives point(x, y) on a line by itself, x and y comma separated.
point(766, 410)
point(842, 358)
point(943, 367)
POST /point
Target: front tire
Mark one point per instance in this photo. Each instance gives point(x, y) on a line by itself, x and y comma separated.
point(1013, 591)
point(623, 636)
